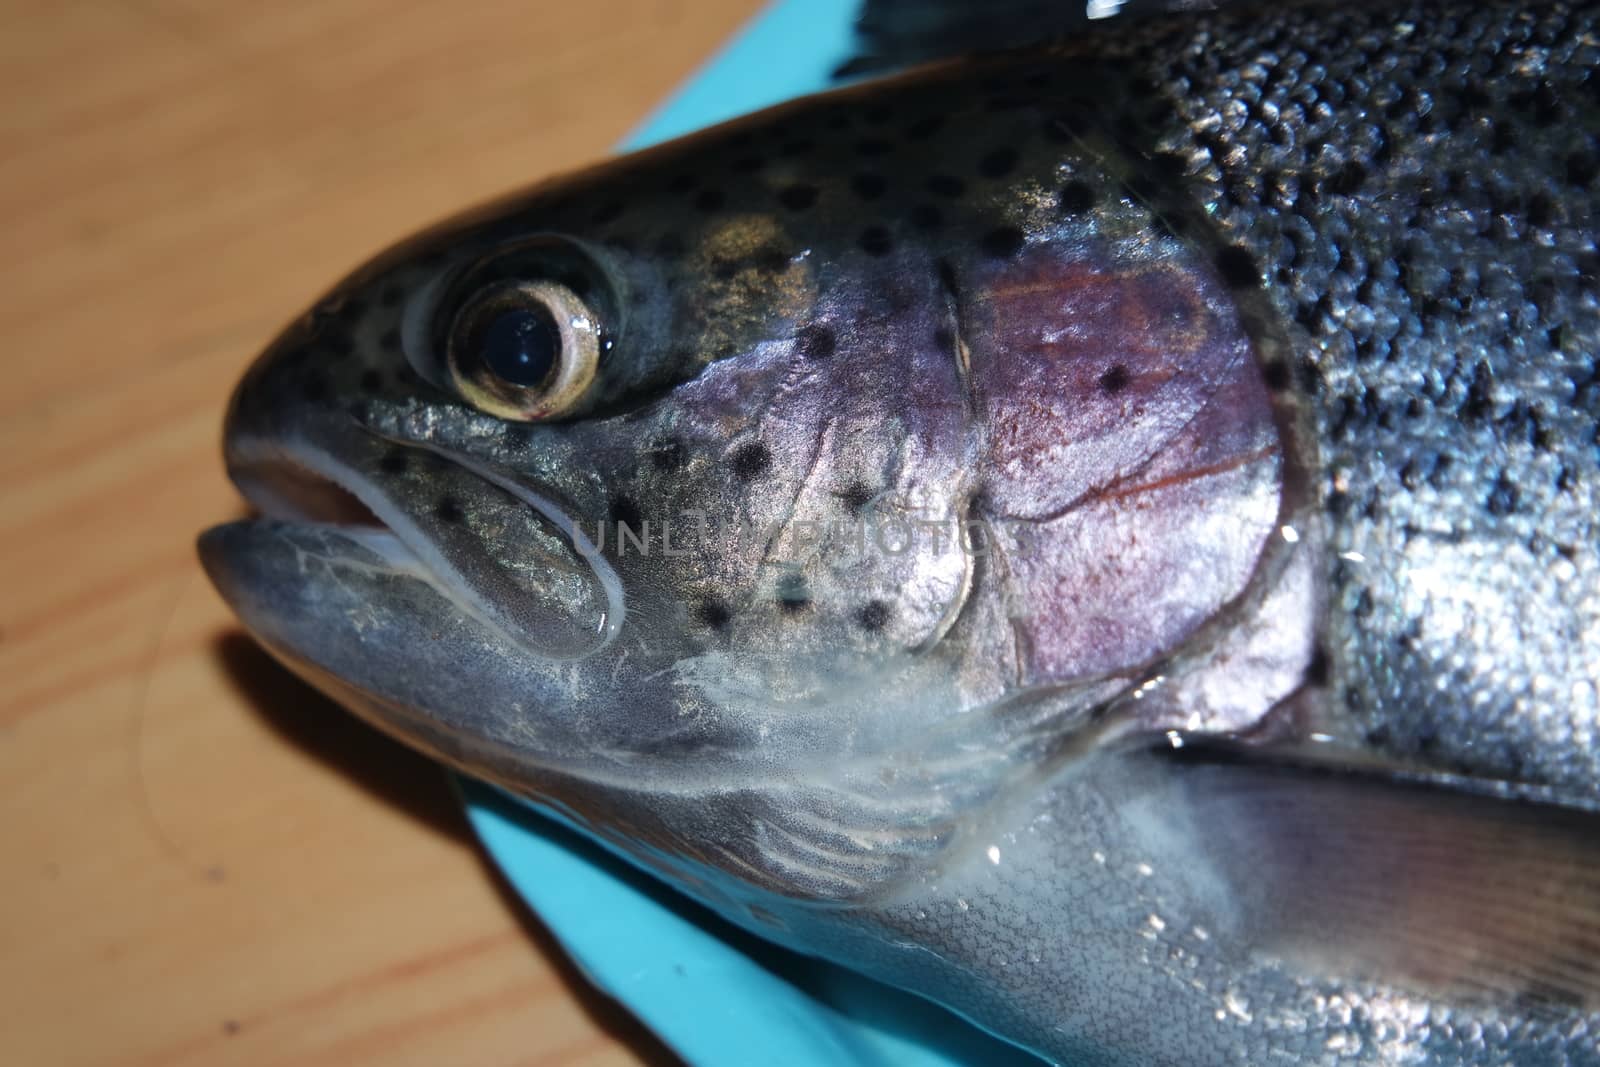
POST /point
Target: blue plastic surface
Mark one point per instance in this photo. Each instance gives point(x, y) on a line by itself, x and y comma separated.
point(717, 996)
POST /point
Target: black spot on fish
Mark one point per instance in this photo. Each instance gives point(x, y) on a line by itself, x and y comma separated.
point(1317, 670)
point(393, 463)
point(926, 217)
point(1003, 242)
point(815, 342)
point(1541, 210)
point(1238, 267)
point(869, 186)
point(798, 197)
point(924, 128)
point(1114, 380)
point(390, 295)
point(625, 512)
point(797, 147)
point(751, 461)
point(608, 212)
point(1276, 375)
point(371, 381)
point(855, 496)
point(1076, 198)
point(1540, 434)
point(313, 388)
point(946, 185)
point(1503, 498)
point(873, 146)
point(390, 340)
point(1479, 402)
point(1547, 106)
point(336, 344)
point(1582, 169)
point(710, 200)
point(449, 510)
point(1348, 179)
point(1472, 97)
point(1383, 154)
point(681, 183)
point(998, 163)
point(873, 616)
point(668, 455)
point(714, 613)
point(747, 164)
point(793, 596)
point(875, 241)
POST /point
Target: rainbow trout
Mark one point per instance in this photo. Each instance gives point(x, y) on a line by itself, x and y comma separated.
point(1102, 536)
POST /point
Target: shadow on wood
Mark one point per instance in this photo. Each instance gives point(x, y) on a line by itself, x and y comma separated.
point(419, 787)
point(323, 730)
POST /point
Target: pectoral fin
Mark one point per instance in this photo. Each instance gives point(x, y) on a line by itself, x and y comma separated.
point(1473, 895)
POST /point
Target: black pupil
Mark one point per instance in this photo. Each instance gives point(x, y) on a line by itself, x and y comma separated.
point(521, 346)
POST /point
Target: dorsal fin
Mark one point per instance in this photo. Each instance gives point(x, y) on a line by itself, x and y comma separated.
point(899, 33)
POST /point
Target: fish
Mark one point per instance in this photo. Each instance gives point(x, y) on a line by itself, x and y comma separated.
point(1100, 535)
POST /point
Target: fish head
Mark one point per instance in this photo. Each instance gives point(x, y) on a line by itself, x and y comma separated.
point(756, 501)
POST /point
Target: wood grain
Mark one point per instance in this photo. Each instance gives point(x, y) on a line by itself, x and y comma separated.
point(205, 862)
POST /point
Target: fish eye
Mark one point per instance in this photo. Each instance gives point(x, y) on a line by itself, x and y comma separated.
point(524, 349)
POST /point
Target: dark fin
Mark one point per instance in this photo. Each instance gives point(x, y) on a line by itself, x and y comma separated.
point(898, 33)
point(1451, 890)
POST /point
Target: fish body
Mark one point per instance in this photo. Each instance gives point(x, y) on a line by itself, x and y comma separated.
point(1102, 537)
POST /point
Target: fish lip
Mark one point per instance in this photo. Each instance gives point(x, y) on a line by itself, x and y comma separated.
point(292, 482)
point(301, 486)
point(293, 486)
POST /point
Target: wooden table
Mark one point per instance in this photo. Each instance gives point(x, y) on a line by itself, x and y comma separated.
point(204, 861)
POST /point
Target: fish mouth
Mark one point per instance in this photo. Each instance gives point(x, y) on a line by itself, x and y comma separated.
point(294, 486)
point(289, 489)
point(339, 550)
